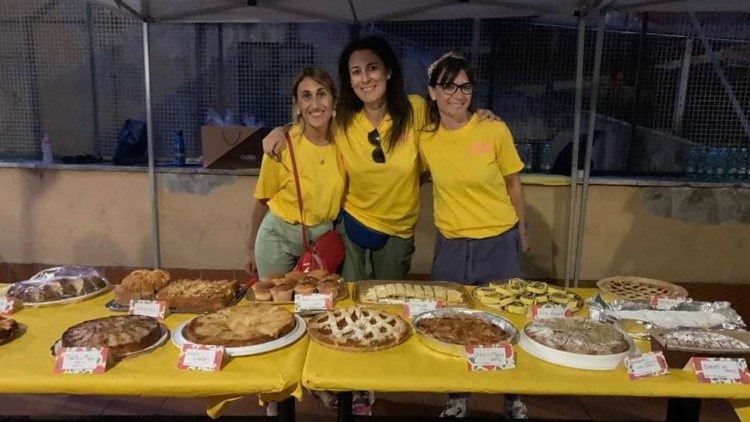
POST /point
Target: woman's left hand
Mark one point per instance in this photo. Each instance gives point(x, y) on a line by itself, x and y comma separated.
point(484, 114)
point(525, 244)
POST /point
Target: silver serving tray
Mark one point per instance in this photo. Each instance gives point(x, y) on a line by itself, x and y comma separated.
point(458, 349)
point(238, 295)
point(361, 286)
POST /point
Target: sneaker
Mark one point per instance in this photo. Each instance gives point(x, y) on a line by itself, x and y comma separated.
point(455, 408)
point(272, 408)
point(362, 402)
point(329, 400)
point(514, 408)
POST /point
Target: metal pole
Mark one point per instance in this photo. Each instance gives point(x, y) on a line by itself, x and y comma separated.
point(682, 85)
point(722, 77)
point(570, 252)
point(589, 142)
point(151, 158)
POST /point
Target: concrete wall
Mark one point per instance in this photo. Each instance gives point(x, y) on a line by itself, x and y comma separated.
point(103, 218)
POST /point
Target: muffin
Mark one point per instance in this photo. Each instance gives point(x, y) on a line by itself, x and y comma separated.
point(262, 290)
point(282, 292)
point(328, 285)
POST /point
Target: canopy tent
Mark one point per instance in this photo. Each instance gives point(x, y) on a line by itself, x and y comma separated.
point(363, 11)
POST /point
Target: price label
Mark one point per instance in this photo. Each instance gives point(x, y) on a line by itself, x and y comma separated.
point(416, 306)
point(313, 302)
point(541, 312)
point(646, 365)
point(490, 358)
point(154, 308)
point(81, 360)
point(7, 305)
point(662, 303)
point(720, 370)
point(200, 357)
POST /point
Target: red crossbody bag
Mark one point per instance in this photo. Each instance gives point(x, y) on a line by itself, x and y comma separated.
point(327, 251)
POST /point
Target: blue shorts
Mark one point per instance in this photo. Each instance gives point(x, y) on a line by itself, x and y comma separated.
point(477, 261)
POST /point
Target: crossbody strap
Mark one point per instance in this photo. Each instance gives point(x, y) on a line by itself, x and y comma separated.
point(295, 173)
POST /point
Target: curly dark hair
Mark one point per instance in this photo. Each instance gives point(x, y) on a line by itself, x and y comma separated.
point(397, 103)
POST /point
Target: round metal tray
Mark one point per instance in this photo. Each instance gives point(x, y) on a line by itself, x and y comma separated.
point(458, 349)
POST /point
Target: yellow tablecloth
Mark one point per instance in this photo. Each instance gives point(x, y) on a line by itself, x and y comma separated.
point(413, 367)
point(27, 364)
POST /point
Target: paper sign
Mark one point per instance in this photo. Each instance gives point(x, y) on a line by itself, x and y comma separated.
point(200, 357)
point(662, 303)
point(646, 365)
point(313, 302)
point(81, 360)
point(7, 305)
point(720, 370)
point(490, 358)
point(541, 312)
point(154, 308)
point(416, 306)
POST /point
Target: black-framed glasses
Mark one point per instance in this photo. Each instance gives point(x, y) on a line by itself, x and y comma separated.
point(378, 155)
point(450, 88)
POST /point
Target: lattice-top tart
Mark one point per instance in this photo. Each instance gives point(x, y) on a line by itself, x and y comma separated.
point(240, 326)
point(358, 328)
point(122, 334)
point(577, 335)
point(638, 288)
point(199, 295)
point(8, 327)
point(463, 330)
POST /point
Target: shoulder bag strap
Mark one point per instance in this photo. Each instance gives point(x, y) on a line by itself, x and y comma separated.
point(295, 173)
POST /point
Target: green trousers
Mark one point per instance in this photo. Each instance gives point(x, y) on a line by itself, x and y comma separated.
point(278, 244)
point(391, 262)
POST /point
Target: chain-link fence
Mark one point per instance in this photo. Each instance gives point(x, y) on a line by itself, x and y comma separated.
point(74, 70)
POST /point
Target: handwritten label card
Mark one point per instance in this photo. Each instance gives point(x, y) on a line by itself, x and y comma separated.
point(201, 357)
point(541, 312)
point(645, 365)
point(7, 305)
point(313, 302)
point(720, 370)
point(662, 303)
point(81, 360)
point(154, 308)
point(416, 306)
point(490, 358)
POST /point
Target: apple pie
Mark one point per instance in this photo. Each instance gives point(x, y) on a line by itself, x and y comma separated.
point(463, 330)
point(122, 334)
point(577, 335)
point(8, 327)
point(199, 295)
point(358, 329)
point(240, 326)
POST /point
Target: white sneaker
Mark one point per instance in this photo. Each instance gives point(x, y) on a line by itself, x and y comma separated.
point(455, 408)
point(272, 408)
point(362, 402)
point(514, 407)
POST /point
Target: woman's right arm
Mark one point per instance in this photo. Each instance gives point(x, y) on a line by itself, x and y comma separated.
point(273, 142)
point(259, 211)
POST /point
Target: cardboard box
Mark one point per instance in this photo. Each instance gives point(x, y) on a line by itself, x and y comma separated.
point(232, 147)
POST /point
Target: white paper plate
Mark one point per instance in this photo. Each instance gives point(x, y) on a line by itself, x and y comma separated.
point(163, 339)
point(299, 330)
point(572, 360)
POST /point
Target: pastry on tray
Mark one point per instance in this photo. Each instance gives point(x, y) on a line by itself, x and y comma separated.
point(358, 329)
point(679, 346)
point(283, 288)
point(637, 289)
point(122, 334)
point(8, 327)
point(517, 296)
point(140, 285)
point(394, 292)
point(577, 335)
point(240, 326)
point(53, 289)
point(463, 330)
point(199, 295)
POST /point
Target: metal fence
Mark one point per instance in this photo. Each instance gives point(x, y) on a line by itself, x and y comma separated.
point(74, 70)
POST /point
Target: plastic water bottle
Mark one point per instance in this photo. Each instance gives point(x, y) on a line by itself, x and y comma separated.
point(545, 162)
point(178, 146)
point(46, 149)
point(693, 161)
point(742, 166)
point(722, 164)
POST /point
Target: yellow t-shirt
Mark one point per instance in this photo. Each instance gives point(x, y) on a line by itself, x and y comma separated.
point(467, 167)
point(383, 196)
point(321, 177)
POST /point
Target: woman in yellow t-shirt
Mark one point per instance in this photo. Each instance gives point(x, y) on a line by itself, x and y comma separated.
point(478, 204)
point(275, 238)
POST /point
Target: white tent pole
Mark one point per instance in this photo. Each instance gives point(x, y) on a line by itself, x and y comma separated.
point(589, 142)
point(130, 10)
point(151, 159)
point(570, 252)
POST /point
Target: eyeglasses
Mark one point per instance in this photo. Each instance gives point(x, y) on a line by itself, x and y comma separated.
point(451, 88)
point(378, 155)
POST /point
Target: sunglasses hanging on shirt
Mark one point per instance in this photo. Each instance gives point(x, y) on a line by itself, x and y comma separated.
point(378, 155)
